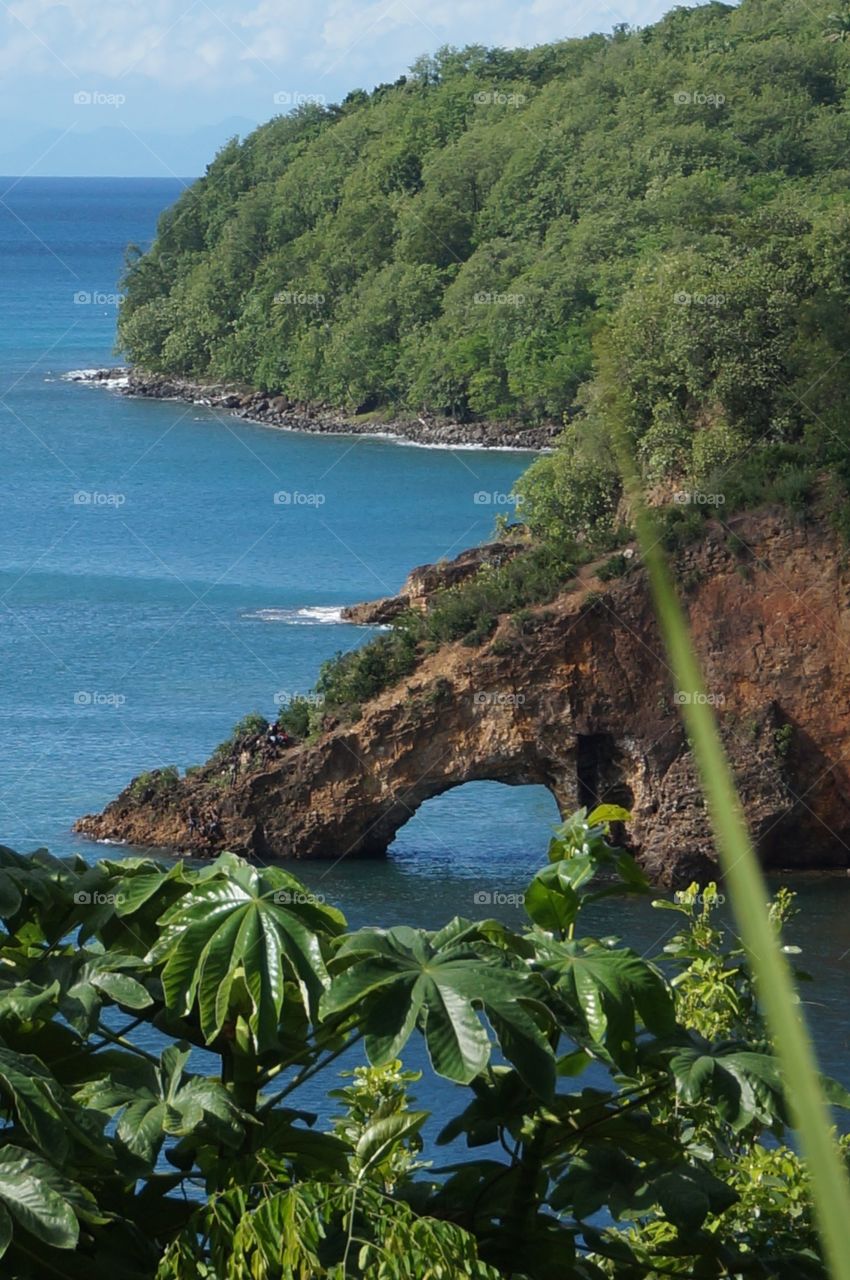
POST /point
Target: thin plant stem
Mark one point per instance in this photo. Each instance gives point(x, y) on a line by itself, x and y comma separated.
point(748, 891)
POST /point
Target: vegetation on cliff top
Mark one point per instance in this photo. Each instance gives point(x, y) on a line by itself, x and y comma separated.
point(456, 241)
point(664, 1160)
point(661, 211)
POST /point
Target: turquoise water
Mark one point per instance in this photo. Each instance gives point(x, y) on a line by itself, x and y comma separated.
point(139, 624)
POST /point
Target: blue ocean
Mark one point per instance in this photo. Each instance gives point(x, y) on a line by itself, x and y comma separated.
point(152, 592)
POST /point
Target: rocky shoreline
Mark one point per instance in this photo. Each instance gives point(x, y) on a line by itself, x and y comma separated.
point(297, 415)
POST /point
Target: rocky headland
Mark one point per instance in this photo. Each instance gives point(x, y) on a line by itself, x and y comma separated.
point(576, 696)
point(295, 415)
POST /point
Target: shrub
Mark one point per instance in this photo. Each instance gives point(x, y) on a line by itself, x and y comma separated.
point(613, 568)
point(250, 726)
point(155, 783)
point(295, 717)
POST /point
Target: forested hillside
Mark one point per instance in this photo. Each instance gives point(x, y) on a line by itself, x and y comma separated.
point(487, 235)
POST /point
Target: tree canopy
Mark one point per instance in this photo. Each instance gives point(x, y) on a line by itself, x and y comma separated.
point(455, 241)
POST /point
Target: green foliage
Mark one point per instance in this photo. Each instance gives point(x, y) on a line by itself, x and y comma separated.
point(351, 678)
point(796, 1063)
point(375, 1096)
point(613, 568)
point(155, 783)
point(114, 1160)
point(457, 240)
point(297, 717)
point(468, 612)
point(251, 725)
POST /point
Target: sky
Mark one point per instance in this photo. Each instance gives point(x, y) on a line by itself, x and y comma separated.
point(153, 86)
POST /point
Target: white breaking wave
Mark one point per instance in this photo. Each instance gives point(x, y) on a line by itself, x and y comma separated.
point(91, 378)
point(324, 615)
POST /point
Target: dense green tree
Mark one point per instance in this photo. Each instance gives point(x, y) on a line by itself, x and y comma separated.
point(707, 153)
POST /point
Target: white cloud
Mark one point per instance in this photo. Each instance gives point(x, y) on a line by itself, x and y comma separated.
point(189, 62)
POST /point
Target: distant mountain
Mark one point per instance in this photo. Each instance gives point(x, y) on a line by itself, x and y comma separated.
point(116, 150)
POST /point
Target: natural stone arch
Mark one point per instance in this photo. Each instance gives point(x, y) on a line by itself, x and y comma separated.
point(489, 816)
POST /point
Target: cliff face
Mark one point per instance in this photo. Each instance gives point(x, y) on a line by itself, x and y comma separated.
point(578, 697)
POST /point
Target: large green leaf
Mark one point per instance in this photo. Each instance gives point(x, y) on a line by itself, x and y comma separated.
point(743, 1086)
point(401, 978)
point(239, 932)
point(37, 1198)
point(152, 1103)
point(379, 1140)
point(38, 1100)
point(613, 991)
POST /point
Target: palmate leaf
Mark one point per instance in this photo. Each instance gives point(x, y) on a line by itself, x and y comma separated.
point(402, 978)
point(155, 1102)
point(613, 991)
point(743, 1086)
point(237, 936)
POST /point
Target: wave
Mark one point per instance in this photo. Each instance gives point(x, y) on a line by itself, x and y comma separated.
point(321, 615)
point(94, 378)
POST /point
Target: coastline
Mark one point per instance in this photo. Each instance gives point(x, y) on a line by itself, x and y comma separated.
point(286, 414)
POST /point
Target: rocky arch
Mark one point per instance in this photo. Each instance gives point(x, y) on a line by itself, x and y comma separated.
point(576, 696)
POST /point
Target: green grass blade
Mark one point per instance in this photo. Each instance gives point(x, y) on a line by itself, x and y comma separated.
point(749, 894)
